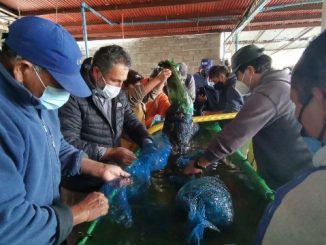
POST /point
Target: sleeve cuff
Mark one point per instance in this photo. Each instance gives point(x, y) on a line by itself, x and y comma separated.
point(65, 221)
point(210, 156)
point(101, 151)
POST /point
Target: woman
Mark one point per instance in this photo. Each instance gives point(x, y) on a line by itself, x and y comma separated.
point(297, 215)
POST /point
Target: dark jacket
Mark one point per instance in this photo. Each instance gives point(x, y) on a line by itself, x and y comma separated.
point(268, 118)
point(85, 125)
point(33, 154)
point(226, 100)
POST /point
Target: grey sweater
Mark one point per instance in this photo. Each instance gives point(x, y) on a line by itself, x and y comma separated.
point(268, 118)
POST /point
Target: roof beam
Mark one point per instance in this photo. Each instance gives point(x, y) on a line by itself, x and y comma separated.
point(257, 37)
point(109, 29)
point(8, 11)
point(122, 7)
point(297, 37)
point(135, 35)
point(250, 13)
point(246, 42)
point(177, 18)
point(78, 33)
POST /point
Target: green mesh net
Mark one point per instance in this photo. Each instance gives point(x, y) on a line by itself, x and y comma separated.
point(177, 92)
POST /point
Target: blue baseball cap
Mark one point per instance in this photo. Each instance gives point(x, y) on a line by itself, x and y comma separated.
point(51, 47)
point(206, 64)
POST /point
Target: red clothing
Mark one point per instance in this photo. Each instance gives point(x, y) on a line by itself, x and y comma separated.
point(158, 106)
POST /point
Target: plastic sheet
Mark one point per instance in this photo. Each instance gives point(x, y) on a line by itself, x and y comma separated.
point(152, 158)
point(208, 205)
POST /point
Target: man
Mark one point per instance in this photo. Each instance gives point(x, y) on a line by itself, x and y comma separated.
point(189, 80)
point(267, 117)
point(201, 77)
point(298, 213)
point(222, 96)
point(40, 64)
point(95, 124)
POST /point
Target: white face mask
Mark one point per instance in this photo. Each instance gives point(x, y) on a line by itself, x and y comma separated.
point(241, 87)
point(52, 98)
point(110, 91)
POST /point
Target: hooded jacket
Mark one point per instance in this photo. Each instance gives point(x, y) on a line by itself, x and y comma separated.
point(297, 215)
point(268, 118)
point(33, 154)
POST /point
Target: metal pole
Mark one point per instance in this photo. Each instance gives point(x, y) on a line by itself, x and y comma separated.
point(236, 42)
point(84, 28)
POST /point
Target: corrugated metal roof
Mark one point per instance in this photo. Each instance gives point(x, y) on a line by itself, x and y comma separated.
point(168, 17)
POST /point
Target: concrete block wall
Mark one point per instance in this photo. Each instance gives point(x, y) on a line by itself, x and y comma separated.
point(147, 52)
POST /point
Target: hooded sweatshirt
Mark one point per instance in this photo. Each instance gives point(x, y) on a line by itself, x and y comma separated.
point(268, 118)
point(297, 215)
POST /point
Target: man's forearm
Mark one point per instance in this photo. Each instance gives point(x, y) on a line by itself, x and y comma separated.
point(93, 168)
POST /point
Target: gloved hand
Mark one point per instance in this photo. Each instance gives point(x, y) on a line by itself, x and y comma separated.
point(149, 146)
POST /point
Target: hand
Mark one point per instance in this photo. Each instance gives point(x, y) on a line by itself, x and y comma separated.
point(119, 155)
point(106, 172)
point(111, 172)
point(92, 207)
point(164, 75)
point(190, 169)
point(201, 99)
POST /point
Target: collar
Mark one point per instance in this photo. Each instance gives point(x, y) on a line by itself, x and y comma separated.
point(319, 158)
point(22, 94)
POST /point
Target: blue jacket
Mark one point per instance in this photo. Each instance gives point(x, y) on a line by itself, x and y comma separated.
point(226, 100)
point(33, 154)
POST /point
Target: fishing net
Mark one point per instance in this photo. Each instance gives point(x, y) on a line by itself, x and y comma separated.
point(152, 158)
point(177, 92)
point(208, 205)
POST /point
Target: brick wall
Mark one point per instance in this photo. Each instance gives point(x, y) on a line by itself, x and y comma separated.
point(147, 52)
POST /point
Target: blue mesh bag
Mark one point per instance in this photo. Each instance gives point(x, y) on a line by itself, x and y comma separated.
point(208, 205)
point(153, 157)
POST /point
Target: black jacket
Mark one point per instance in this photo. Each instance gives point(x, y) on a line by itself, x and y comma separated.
point(227, 99)
point(85, 125)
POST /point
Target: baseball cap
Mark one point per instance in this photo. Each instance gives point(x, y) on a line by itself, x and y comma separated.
point(206, 64)
point(245, 55)
point(51, 47)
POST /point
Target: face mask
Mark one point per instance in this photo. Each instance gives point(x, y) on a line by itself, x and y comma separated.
point(52, 98)
point(313, 144)
point(241, 87)
point(110, 91)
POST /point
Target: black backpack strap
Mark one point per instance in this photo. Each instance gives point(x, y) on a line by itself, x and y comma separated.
point(188, 79)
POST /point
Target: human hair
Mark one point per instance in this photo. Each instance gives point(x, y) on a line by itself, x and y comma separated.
point(261, 64)
point(310, 70)
point(9, 57)
point(216, 70)
point(132, 78)
point(107, 56)
point(86, 68)
point(7, 54)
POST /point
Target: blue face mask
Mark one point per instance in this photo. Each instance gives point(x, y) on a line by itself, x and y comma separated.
point(52, 98)
point(313, 144)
